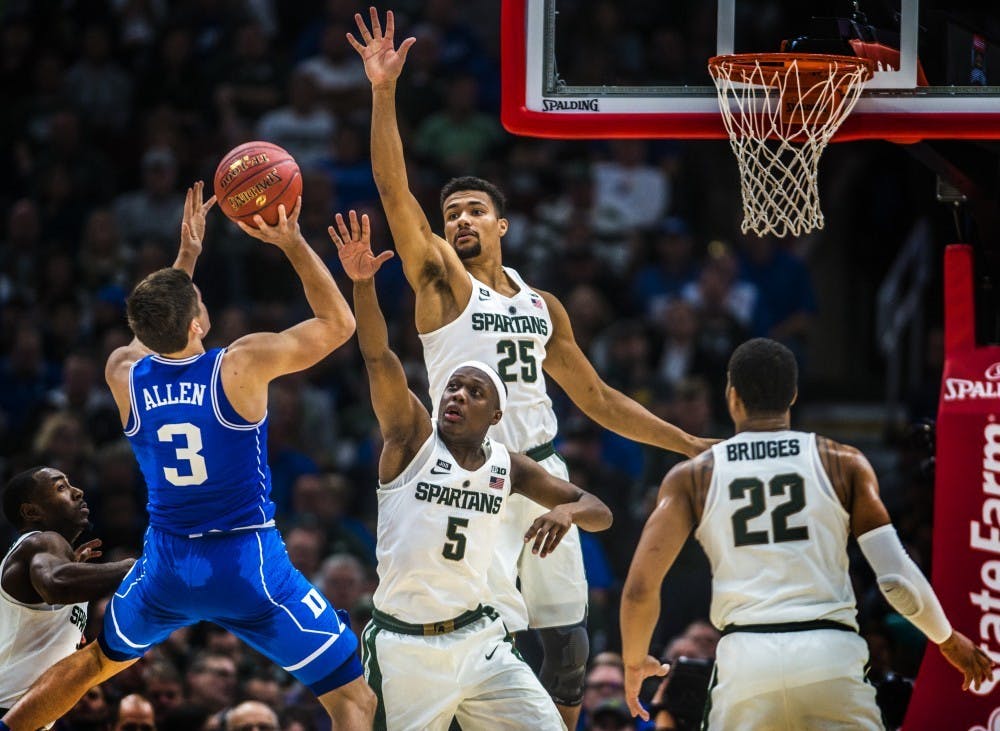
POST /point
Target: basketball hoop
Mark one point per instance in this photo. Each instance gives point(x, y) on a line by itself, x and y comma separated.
point(780, 111)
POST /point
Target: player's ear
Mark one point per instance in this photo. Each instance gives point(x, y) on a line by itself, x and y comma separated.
point(504, 225)
point(197, 328)
point(30, 513)
point(795, 397)
point(496, 417)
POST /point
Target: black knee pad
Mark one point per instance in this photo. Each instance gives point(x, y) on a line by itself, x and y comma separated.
point(564, 664)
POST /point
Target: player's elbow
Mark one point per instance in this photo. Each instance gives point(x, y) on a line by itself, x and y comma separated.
point(57, 588)
point(338, 330)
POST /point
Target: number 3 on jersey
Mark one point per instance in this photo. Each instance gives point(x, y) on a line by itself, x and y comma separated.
point(187, 439)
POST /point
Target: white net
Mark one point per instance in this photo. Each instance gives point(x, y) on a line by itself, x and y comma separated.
point(780, 111)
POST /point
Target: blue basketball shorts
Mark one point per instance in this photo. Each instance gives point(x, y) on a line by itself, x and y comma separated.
point(243, 582)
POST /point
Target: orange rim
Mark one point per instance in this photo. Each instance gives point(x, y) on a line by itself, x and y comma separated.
point(808, 64)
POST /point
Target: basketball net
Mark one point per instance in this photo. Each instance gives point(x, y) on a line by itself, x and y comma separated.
point(780, 111)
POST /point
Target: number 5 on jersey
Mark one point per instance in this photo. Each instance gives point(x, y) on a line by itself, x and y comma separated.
point(454, 548)
point(188, 450)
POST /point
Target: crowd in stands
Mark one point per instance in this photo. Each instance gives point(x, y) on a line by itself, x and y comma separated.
point(113, 108)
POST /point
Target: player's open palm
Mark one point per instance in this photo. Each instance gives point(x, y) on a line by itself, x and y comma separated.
point(974, 664)
point(355, 249)
point(383, 61)
point(193, 221)
point(634, 677)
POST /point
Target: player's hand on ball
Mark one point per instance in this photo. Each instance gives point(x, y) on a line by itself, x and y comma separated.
point(355, 249)
point(87, 551)
point(193, 222)
point(634, 675)
point(383, 62)
point(548, 530)
point(284, 234)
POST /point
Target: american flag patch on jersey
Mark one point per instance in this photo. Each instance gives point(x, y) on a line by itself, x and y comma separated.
point(496, 483)
point(535, 300)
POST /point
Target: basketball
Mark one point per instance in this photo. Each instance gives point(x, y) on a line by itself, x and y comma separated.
point(257, 177)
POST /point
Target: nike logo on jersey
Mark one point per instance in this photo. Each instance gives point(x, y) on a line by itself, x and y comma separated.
point(441, 468)
point(490, 656)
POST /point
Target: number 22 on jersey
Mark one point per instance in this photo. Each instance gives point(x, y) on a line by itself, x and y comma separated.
point(186, 438)
point(791, 485)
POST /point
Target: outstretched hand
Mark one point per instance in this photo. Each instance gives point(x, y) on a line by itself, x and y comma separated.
point(975, 665)
point(548, 530)
point(193, 222)
point(383, 61)
point(284, 233)
point(87, 551)
point(355, 249)
point(634, 676)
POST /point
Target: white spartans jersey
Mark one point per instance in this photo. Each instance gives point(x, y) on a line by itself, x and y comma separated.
point(438, 526)
point(775, 533)
point(33, 637)
point(510, 334)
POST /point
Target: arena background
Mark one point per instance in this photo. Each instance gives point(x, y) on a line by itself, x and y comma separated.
point(112, 108)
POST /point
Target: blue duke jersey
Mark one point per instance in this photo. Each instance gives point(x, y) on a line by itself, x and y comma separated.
point(205, 466)
point(510, 334)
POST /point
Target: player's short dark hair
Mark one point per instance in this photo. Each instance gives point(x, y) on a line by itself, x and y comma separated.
point(18, 491)
point(765, 376)
point(470, 182)
point(161, 308)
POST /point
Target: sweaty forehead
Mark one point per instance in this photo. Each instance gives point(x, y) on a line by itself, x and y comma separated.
point(48, 476)
point(461, 198)
point(468, 373)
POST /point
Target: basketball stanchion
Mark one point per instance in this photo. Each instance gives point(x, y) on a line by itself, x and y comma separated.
point(780, 110)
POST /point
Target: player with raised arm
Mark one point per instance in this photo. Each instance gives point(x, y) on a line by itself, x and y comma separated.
point(197, 421)
point(773, 508)
point(468, 305)
point(435, 648)
point(45, 583)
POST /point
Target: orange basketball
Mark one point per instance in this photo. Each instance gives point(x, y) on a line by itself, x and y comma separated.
point(257, 177)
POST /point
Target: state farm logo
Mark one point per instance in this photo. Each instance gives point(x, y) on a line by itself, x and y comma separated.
point(960, 389)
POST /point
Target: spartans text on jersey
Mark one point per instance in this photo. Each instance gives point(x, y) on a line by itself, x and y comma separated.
point(454, 497)
point(489, 322)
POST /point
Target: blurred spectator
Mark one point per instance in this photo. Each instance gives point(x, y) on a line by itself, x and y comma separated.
point(460, 137)
point(628, 184)
point(326, 498)
point(335, 69)
point(303, 127)
point(671, 268)
point(264, 688)
point(305, 548)
point(211, 681)
point(97, 85)
point(785, 287)
point(163, 687)
point(249, 81)
point(152, 211)
point(91, 713)
point(135, 713)
point(343, 580)
point(251, 716)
